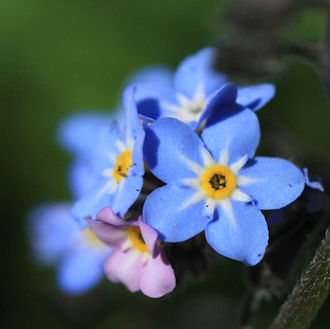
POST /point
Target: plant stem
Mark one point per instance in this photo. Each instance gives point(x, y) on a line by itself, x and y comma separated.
point(310, 292)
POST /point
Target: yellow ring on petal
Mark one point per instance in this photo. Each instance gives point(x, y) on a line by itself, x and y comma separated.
point(122, 166)
point(134, 234)
point(218, 182)
point(91, 238)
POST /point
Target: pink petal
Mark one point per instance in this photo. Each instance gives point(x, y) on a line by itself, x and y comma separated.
point(150, 236)
point(107, 215)
point(125, 267)
point(157, 277)
point(110, 235)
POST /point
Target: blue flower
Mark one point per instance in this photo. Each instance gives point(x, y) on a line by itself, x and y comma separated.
point(91, 136)
point(109, 171)
point(216, 183)
point(56, 239)
point(194, 85)
point(78, 134)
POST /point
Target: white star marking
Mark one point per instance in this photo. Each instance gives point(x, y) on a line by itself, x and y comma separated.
point(188, 109)
point(200, 194)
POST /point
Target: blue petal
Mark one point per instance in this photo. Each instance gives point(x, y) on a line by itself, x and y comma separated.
point(82, 178)
point(91, 203)
point(222, 103)
point(156, 82)
point(167, 142)
point(104, 145)
point(76, 133)
point(159, 75)
point(246, 241)
point(255, 97)
point(80, 271)
point(150, 96)
point(134, 129)
point(126, 195)
point(278, 182)
point(51, 229)
point(162, 210)
point(198, 70)
point(233, 129)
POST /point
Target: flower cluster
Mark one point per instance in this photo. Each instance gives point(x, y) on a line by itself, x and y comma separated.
point(178, 159)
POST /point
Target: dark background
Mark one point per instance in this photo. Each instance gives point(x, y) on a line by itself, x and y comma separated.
point(58, 57)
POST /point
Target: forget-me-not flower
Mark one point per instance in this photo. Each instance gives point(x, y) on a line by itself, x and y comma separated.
point(56, 239)
point(113, 172)
point(89, 135)
point(137, 259)
point(214, 182)
point(194, 85)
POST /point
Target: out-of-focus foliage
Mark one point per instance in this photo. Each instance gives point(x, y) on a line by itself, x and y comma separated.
point(61, 56)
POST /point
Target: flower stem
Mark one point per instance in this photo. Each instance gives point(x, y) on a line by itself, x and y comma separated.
point(310, 292)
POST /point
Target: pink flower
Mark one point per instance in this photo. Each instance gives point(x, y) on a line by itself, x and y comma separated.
point(137, 260)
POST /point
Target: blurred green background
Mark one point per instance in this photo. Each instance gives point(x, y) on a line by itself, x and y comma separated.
point(61, 56)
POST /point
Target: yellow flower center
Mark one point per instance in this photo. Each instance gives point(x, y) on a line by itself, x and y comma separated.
point(91, 238)
point(218, 182)
point(134, 234)
point(123, 164)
